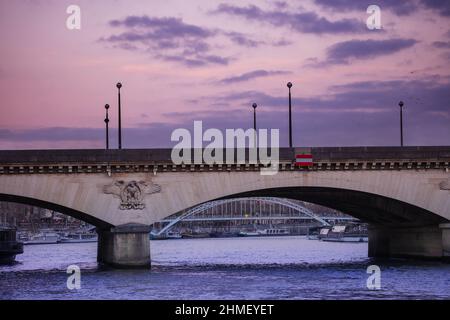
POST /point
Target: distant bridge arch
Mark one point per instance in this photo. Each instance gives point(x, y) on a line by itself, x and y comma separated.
point(299, 209)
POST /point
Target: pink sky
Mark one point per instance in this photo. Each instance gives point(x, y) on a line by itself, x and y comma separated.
point(54, 79)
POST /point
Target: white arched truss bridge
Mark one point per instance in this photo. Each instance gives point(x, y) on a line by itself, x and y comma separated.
point(300, 212)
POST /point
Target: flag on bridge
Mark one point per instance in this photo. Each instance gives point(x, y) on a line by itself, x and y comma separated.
point(303, 157)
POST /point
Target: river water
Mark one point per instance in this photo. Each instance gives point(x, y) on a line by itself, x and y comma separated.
point(231, 268)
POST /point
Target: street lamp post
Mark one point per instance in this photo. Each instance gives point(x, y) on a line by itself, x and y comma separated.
point(107, 126)
point(401, 104)
point(254, 115)
point(254, 105)
point(119, 85)
point(289, 85)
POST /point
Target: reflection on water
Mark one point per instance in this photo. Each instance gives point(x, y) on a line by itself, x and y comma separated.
point(231, 268)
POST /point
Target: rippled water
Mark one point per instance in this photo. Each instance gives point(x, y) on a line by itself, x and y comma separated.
point(232, 268)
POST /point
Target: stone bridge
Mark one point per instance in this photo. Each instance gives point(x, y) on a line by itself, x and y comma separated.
point(402, 192)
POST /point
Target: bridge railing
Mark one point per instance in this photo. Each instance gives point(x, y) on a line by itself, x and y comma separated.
point(159, 160)
point(91, 156)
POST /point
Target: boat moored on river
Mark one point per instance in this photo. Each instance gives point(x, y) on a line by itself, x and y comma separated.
point(43, 238)
point(264, 232)
point(344, 233)
point(79, 237)
point(166, 235)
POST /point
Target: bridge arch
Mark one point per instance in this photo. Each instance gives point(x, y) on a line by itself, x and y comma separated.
point(56, 207)
point(397, 228)
point(367, 207)
point(374, 209)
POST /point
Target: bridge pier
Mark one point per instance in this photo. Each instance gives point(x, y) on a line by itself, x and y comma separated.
point(125, 246)
point(431, 242)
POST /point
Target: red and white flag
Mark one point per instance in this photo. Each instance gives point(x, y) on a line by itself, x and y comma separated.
point(303, 160)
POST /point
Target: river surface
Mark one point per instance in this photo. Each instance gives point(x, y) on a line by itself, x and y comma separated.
point(231, 268)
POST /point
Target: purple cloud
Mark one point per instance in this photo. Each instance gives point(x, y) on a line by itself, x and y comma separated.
point(171, 39)
point(163, 28)
point(344, 52)
point(425, 97)
point(441, 6)
point(197, 61)
point(304, 22)
point(441, 44)
point(243, 40)
point(53, 134)
point(398, 7)
point(252, 75)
